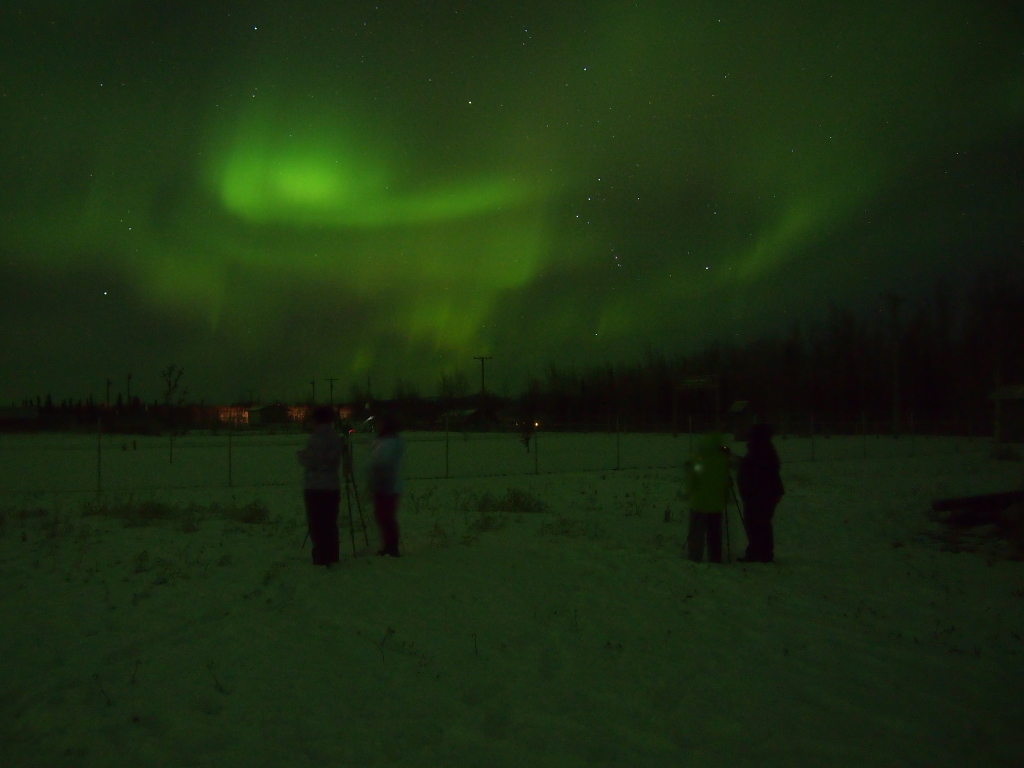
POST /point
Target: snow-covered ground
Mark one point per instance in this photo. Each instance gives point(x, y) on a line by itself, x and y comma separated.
point(534, 619)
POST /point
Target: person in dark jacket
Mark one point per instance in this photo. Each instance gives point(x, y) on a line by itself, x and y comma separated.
point(761, 489)
point(321, 457)
point(385, 476)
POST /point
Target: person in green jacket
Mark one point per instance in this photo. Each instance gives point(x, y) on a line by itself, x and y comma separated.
point(707, 484)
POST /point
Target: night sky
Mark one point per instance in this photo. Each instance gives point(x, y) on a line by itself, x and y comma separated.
point(271, 193)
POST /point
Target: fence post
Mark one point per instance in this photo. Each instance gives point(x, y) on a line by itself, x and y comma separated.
point(864, 434)
point(618, 447)
point(99, 455)
point(230, 479)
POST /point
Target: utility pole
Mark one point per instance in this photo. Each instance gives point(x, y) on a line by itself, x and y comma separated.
point(997, 377)
point(313, 401)
point(894, 308)
point(331, 381)
point(109, 382)
point(483, 387)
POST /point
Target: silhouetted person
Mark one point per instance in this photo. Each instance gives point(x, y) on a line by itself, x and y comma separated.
point(385, 481)
point(761, 489)
point(321, 457)
point(707, 483)
point(526, 432)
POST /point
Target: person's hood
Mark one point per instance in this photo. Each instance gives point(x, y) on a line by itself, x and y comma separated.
point(760, 434)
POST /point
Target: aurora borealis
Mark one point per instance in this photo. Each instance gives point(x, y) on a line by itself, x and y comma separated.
point(270, 193)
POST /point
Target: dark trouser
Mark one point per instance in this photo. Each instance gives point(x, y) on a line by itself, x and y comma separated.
point(385, 506)
point(322, 518)
point(705, 525)
point(757, 519)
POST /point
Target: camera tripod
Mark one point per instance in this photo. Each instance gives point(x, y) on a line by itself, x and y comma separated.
point(350, 482)
point(739, 509)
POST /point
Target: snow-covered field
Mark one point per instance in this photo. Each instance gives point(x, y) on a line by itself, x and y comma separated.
point(534, 619)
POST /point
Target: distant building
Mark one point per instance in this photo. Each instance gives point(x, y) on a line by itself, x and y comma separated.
point(233, 414)
point(275, 413)
point(300, 413)
point(1009, 413)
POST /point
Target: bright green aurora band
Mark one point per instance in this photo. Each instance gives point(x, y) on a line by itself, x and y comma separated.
point(281, 192)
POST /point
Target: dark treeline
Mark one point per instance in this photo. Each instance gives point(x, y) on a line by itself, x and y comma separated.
point(132, 416)
point(939, 356)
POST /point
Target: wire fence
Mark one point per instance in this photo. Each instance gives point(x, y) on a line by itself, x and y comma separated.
point(48, 463)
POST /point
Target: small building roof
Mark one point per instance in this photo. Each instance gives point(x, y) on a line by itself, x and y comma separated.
point(18, 412)
point(1008, 392)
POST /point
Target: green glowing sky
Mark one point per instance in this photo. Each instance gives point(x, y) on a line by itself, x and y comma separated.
point(280, 192)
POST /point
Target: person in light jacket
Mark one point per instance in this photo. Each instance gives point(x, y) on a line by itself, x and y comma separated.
point(385, 480)
point(707, 483)
point(321, 458)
